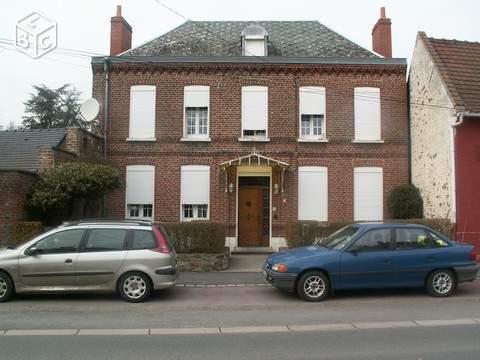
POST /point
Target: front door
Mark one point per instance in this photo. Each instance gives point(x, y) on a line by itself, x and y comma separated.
point(53, 262)
point(368, 262)
point(253, 211)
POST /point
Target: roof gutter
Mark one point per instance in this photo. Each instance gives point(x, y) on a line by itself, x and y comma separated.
point(462, 115)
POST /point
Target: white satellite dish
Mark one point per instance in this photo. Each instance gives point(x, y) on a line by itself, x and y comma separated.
point(89, 109)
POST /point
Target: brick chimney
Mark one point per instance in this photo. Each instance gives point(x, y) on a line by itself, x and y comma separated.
point(120, 34)
point(382, 35)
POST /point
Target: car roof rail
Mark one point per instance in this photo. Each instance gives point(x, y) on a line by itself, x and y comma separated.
point(102, 221)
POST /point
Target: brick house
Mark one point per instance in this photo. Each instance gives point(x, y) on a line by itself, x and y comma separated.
point(23, 154)
point(253, 124)
point(444, 84)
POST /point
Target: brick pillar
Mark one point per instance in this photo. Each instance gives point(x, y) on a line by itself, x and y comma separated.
point(46, 159)
point(120, 34)
point(382, 35)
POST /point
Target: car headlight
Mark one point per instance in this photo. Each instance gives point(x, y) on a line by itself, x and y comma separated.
point(280, 268)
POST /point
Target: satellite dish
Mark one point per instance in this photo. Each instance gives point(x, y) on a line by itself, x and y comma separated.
point(89, 109)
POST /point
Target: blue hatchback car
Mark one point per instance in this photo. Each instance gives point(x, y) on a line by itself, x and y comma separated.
point(373, 255)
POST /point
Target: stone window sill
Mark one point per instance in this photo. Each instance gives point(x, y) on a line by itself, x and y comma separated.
point(368, 141)
point(142, 139)
point(195, 139)
point(312, 140)
point(254, 139)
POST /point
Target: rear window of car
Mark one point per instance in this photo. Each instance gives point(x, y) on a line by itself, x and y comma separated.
point(412, 238)
point(106, 240)
point(143, 239)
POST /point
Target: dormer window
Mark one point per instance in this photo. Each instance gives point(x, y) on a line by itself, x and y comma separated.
point(254, 41)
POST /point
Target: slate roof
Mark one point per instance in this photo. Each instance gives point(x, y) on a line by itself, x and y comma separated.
point(222, 38)
point(459, 65)
point(19, 150)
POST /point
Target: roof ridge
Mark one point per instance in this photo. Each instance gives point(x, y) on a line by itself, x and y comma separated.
point(455, 41)
point(441, 67)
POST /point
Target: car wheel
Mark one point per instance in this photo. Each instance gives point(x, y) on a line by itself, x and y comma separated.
point(6, 287)
point(313, 286)
point(441, 283)
point(134, 287)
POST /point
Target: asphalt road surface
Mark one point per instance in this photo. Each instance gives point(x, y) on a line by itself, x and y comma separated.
point(243, 323)
point(436, 343)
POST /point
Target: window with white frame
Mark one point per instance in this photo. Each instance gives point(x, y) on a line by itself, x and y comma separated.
point(196, 111)
point(313, 193)
point(142, 112)
point(195, 192)
point(140, 187)
point(254, 112)
point(312, 112)
point(367, 114)
point(368, 194)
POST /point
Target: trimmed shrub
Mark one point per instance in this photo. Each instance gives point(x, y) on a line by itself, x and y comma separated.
point(26, 230)
point(197, 237)
point(304, 233)
point(405, 202)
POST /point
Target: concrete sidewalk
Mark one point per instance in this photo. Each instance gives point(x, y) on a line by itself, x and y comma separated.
point(244, 270)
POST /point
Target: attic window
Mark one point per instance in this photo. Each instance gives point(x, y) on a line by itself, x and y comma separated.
point(254, 40)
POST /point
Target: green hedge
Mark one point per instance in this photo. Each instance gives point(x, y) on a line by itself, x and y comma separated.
point(197, 237)
point(25, 230)
point(302, 233)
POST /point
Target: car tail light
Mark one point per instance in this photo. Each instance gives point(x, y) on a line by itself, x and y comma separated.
point(473, 255)
point(162, 242)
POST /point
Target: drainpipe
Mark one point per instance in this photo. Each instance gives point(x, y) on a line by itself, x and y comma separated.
point(106, 105)
point(106, 70)
point(461, 116)
point(409, 134)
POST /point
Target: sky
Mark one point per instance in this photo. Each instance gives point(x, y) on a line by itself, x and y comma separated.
point(85, 26)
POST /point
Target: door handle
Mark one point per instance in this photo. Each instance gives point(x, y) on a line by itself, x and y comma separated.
point(429, 258)
point(68, 261)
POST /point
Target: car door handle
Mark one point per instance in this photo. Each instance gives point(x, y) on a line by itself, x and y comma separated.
point(68, 261)
point(429, 258)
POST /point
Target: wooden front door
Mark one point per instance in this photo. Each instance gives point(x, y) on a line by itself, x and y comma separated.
point(250, 216)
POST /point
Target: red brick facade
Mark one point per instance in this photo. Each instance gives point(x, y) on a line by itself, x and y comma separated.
point(15, 185)
point(340, 155)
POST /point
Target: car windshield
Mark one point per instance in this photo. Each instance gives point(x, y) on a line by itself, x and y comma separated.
point(339, 239)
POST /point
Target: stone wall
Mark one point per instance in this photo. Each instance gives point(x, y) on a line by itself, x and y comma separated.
point(202, 262)
point(431, 136)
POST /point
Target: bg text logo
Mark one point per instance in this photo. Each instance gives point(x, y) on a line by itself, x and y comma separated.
point(36, 35)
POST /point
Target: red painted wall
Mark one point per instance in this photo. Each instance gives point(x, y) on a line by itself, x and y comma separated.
point(467, 174)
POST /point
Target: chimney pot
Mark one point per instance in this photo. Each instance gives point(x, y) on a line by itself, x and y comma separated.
point(119, 10)
point(382, 35)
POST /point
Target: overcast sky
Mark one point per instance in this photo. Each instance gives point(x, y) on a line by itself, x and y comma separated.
point(85, 25)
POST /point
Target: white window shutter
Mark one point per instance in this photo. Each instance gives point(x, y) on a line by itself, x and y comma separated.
point(195, 184)
point(367, 113)
point(255, 47)
point(313, 193)
point(368, 194)
point(254, 107)
point(312, 100)
point(197, 96)
point(140, 184)
point(142, 112)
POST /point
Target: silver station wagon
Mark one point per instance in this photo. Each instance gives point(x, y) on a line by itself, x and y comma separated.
point(132, 258)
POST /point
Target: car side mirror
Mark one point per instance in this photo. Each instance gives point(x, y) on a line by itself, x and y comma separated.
point(32, 251)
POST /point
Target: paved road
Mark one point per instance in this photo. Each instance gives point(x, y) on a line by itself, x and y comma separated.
point(435, 343)
point(232, 306)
